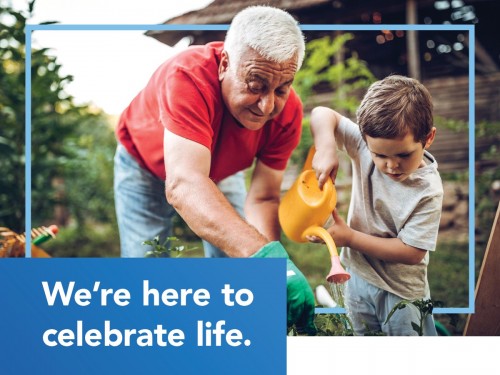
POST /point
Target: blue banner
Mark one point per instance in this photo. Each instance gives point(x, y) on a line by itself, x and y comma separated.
point(134, 316)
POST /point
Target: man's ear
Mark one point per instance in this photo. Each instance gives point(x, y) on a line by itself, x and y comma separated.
point(430, 138)
point(223, 65)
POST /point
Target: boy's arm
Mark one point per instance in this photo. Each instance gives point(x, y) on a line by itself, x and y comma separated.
point(387, 249)
point(324, 122)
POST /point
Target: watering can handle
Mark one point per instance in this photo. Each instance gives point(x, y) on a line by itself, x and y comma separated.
point(325, 236)
point(309, 159)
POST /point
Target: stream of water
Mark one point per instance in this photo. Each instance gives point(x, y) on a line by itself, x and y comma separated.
point(338, 291)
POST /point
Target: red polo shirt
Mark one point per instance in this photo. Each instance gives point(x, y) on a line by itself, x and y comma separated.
point(184, 96)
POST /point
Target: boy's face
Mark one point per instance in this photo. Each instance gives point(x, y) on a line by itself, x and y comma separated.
point(398, 158)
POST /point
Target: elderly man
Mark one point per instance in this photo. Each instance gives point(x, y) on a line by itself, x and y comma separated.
point(206, 115)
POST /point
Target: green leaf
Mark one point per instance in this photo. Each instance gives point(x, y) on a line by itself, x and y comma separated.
point(416, 328)
point(398, 306)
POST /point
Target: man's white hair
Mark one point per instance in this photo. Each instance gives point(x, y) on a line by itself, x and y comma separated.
point(271, 32)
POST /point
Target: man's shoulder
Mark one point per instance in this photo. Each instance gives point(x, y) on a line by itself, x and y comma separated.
point(198, 57)
point(195, 71)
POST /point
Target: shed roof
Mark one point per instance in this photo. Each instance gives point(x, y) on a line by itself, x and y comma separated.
point(222, 12)
point(385, 57)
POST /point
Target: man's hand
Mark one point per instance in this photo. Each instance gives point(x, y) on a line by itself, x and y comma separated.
point(300, 298)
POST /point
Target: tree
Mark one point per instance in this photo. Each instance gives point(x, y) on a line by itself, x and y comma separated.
point(12, 118)
point(328, 66)
point(70, 144)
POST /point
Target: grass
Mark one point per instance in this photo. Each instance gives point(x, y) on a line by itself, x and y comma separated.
point(448, 275)
point(96, 241)
point(448, 269)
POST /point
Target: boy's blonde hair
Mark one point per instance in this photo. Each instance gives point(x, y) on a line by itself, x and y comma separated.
point(395, 106)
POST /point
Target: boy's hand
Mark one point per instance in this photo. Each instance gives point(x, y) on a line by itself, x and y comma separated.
point(339, 230)
point(325, 163)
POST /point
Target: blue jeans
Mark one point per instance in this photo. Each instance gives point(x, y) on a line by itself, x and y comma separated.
point(368, 307)
point(143, 212)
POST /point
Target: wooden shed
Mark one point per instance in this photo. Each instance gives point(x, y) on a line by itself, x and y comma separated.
point(438, 58)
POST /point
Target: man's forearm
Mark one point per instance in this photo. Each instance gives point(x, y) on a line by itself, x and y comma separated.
point(263, 215)
point(208, 213)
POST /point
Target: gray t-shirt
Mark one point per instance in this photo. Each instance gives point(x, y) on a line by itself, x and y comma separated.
point(409, 210)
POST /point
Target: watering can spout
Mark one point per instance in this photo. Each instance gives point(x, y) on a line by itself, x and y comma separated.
point(337, 273)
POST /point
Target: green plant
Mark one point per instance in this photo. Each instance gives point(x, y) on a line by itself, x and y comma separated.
point(344, 75)
point(12, 118)
point(323, 70)
point(165, 249)
point(486, 202)
point(333, 325)
point(447, 273)
point(370, 332)
point(72, 146)
point(487, 175)
point(93, 240)
point(328, 325)
point(424, 307)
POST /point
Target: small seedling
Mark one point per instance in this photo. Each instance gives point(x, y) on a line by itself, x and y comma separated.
point(424, 307)
point(333, 325)
point(165, 249)
point(327, 325)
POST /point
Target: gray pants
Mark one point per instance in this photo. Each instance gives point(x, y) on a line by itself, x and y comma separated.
point(143, 212)
point(368, 307)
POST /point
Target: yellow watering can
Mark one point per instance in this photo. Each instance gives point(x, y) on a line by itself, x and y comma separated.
point(304, 210)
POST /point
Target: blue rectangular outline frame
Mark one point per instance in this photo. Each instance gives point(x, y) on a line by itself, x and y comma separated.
point(306, 27)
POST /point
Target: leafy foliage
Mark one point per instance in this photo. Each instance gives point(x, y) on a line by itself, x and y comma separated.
point(487, 198)
point(448, 277)
point(165, 249)
point(85, 242)
point(487, 179)
point(72, 146)
point(12, 119)
point(342, 76)
point(333, 325)
point(424, 307)
point(346, 78)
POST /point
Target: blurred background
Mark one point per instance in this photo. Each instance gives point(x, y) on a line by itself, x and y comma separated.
point(82, 80)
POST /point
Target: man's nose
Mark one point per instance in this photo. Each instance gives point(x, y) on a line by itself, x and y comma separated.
point(266, 103)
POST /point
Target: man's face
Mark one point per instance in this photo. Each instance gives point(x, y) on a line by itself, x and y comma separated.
point(255, 89)
point(398, 158)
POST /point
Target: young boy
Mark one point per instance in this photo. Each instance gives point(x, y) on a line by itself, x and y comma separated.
point(396, 201)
